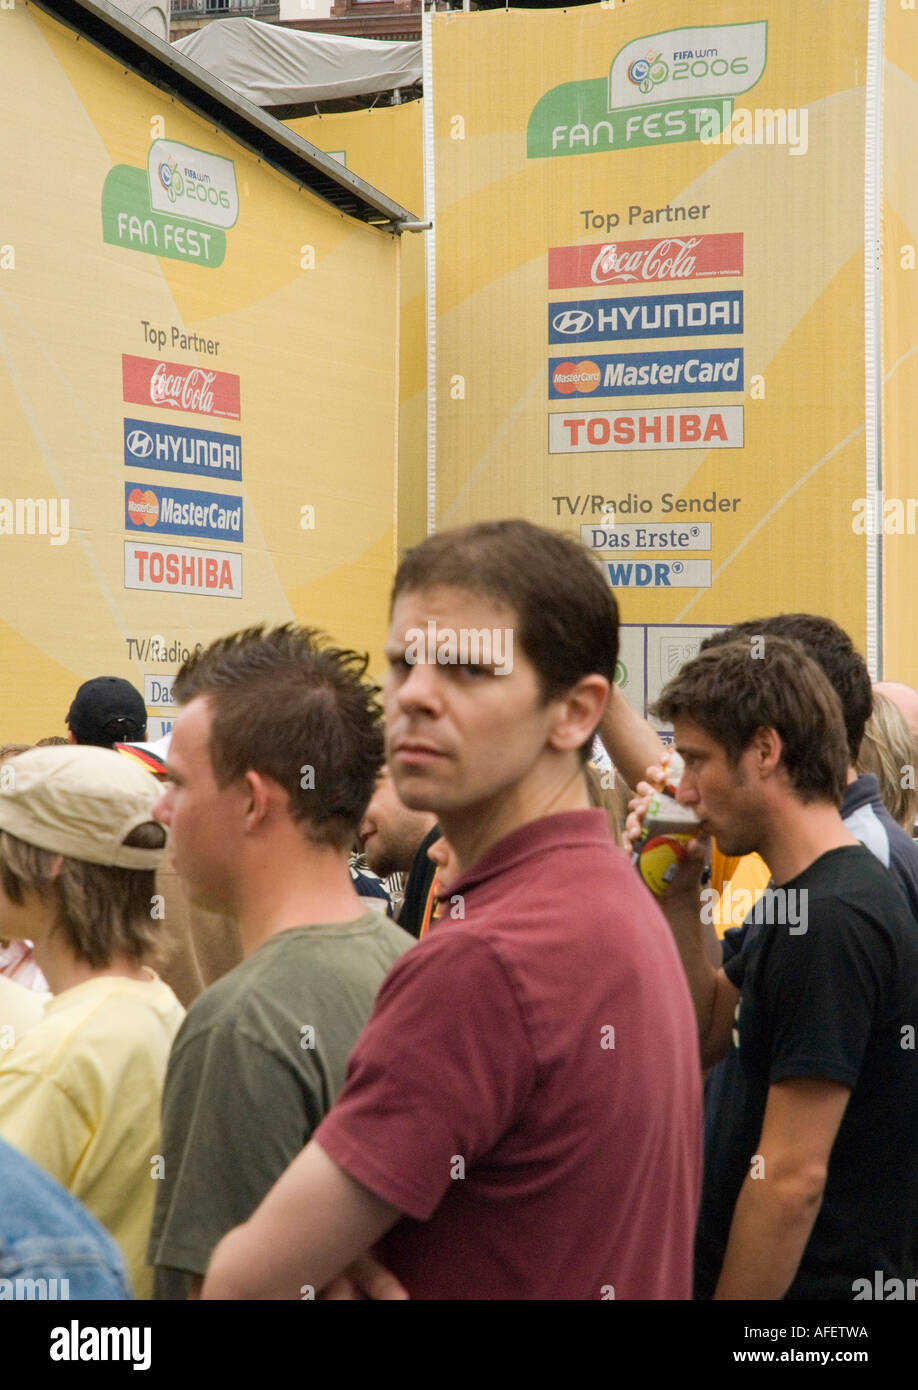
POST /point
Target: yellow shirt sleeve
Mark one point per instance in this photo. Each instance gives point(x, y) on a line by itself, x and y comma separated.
point(40, 1120)
point(747, 876)
point(19, 1009)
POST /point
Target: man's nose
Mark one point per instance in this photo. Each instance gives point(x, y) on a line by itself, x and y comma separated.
point(420, 688)
point(162, 811)
point(686, 792)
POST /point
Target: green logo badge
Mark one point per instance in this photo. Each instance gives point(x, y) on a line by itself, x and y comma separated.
point(179, 207)
point(662, 89)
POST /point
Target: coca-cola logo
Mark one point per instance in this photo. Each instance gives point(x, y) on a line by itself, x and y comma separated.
point(189, 390)
point(671, 259)
point(654, 259)
point(173, 386)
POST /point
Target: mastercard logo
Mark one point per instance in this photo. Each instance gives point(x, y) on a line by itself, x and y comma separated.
point(143, 507)
point(575, 376)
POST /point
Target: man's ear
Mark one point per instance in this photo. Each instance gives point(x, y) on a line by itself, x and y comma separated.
point(579, 712)
point(767, 749)
point(257, 793)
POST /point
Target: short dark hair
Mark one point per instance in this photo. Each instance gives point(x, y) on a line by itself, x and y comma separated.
point(730, 691)
point(101, 911)
point(285, 700)
point(832, 649)
point(567, 615)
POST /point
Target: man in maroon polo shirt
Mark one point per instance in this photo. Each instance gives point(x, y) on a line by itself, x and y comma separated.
point(521, 1115)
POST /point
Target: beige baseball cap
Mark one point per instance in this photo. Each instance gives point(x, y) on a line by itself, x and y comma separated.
point(81, 801)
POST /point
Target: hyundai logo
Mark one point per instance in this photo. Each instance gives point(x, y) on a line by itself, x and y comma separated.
point(572, 321)
point(140, 444)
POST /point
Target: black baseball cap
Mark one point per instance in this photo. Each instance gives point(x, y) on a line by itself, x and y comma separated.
point(107, 710)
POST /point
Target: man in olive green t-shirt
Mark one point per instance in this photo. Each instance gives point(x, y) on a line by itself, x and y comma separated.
point(273, 759)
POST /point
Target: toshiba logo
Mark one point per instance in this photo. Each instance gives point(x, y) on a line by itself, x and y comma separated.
point(675, 427)
point(182, 570)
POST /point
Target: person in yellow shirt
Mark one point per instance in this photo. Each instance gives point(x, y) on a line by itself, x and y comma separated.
point(80, 1090)
point(19, 1009)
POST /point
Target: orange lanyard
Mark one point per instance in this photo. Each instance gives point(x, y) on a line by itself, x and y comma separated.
point(430, 909)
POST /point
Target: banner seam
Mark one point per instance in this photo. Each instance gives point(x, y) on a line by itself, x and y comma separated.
point(873, 327)
point(430, 266)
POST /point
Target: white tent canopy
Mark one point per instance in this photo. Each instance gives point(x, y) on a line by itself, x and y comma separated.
point(272, 66)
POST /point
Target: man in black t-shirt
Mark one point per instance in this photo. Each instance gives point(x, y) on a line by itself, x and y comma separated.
point(418, 903)
point(862, 809)
point(395, 840)
point(811, 1181)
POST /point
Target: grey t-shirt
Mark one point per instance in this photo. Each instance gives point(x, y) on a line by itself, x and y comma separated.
point(255, 1066)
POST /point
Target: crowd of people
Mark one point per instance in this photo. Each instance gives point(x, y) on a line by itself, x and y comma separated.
point(355, 993)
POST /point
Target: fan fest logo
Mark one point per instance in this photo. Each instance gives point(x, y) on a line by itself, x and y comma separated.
point(180, 207)
point(665, 88)
point(192, 182)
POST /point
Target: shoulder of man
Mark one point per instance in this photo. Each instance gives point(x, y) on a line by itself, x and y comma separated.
point(867, 818)
point(451, 951)
point(268, 984)
point(852, 904)
point(231, 1001)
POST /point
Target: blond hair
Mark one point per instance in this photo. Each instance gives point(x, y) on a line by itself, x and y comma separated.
point(890, 751)
point(609, 792)
point(102, 911)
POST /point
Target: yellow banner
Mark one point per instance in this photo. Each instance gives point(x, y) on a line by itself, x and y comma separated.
point(894, 513)
point(650, 295)
point(198, 388)
point(383, 146)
